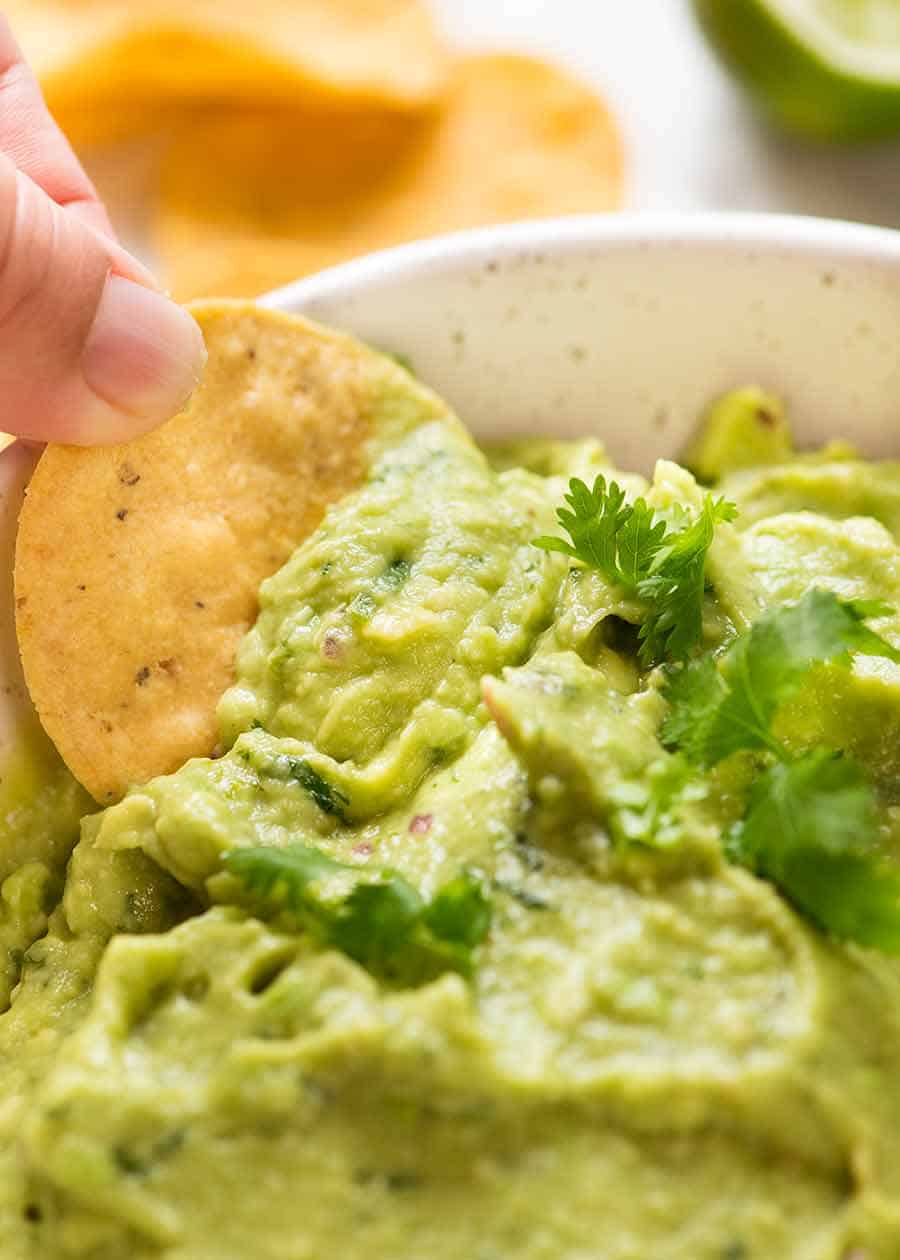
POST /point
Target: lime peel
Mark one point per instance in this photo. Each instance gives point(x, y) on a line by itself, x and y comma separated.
point(829, 69)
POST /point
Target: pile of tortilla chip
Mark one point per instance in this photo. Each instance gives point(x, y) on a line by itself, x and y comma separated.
point(289, 135)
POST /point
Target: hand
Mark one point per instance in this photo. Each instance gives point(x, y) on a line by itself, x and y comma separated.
point(90, 350)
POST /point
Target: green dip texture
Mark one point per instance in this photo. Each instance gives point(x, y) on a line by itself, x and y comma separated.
point(648, 1054)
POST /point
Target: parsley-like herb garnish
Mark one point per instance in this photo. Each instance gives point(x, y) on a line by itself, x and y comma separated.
point(632, 546)
point(382, 923)
point(719, 709)
point(811, 829)
point(811, 822)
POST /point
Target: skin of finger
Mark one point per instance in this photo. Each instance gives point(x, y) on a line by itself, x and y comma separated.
point(52, 272)
point(32, 139)
point(121, 262)
point(93, 213)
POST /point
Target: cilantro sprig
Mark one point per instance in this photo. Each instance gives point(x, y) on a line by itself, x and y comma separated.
point(383, 923)
point(811, 829)
point(637, 549)
point(718, 709)
point(811, 825)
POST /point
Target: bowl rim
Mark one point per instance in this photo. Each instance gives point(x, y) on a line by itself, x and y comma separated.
point(716, 231)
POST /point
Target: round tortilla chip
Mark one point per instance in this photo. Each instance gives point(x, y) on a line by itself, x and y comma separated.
point(96, 58)
point(138, 566)
point(250, 202)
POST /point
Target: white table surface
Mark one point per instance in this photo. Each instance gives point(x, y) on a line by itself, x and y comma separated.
point(691, 140)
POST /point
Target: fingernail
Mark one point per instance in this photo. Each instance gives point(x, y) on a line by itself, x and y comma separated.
point(144, 354)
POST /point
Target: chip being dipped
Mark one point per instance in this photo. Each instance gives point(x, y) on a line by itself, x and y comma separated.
point(138, 566)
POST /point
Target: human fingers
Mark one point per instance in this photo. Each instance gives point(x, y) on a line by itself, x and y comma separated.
point(86, 355)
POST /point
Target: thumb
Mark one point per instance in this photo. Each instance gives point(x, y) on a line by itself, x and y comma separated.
point(89, 352)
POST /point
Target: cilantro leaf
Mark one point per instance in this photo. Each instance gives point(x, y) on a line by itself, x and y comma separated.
point(618, 539)
point(376, 920)
point(811, 829)
point(675, 585)
point(638, 543)
point(330, 799)
point(695, 693)
point(382, 922)
point(811, 825)
point(288, 871)
point(633, 547)
point(460, 911)
point(596, 517)
point(717, 711)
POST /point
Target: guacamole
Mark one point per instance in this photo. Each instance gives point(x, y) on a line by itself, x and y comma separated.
point(573, 1026)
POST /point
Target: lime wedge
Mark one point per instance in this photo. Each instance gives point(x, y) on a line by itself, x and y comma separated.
point(824, 68)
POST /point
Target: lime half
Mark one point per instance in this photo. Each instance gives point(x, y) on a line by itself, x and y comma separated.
point(823, 68)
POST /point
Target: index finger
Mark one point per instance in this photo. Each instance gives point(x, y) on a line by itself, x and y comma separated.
point(31, 138)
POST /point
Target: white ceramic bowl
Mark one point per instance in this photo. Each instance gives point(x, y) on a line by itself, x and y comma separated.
point(622, 326)
point(626, 325)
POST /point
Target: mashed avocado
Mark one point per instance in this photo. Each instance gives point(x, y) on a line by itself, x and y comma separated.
point(650, 1053)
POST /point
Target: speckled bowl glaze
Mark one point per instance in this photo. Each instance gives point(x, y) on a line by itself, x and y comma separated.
point(622, 326)
point(626, 325)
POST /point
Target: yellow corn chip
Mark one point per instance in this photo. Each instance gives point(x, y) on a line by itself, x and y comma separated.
point(95, 58)
point(138, 566)
point(250, 202)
